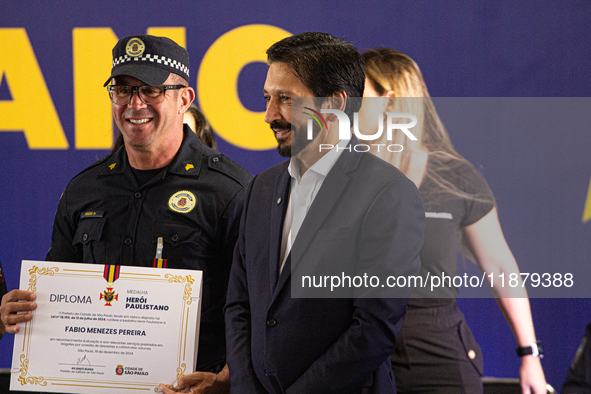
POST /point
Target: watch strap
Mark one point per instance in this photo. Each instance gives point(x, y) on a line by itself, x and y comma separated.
point(535, 349)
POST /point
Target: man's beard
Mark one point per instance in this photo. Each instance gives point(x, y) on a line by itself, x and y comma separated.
point(297, 137)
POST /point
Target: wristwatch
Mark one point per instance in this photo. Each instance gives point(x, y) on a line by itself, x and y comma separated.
point(535, 349)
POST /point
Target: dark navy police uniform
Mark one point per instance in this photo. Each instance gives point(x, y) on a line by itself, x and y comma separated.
point(105, 217)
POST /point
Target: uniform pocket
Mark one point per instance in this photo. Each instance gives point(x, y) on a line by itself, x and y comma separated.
point(368, 382)
point(471, 347)
point(180, 244)
point(89, 235)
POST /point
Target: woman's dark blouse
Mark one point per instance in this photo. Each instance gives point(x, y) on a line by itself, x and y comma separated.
point(446, 213)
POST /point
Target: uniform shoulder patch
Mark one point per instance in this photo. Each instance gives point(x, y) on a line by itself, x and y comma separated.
point(94, 165)
point(227, 166)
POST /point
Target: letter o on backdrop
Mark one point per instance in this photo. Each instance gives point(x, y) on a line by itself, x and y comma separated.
point(217, 85)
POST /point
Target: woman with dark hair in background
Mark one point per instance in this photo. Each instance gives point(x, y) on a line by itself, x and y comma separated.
point(197, 121)
point(436, 351)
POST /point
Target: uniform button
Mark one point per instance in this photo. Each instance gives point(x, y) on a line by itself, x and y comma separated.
point(215, 159)
point(138, 195)
point(279, 200)
point(85, 237)
point(271, 322)
point(175, 237)
point(127, 241)
point(472, 354)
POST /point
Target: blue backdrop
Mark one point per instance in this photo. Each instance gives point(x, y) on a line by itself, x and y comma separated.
point(54, 116)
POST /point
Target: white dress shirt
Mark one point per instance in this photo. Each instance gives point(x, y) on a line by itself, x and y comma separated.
point(303, 191)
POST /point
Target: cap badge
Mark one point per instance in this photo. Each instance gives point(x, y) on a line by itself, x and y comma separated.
point(135, 47)
point(182, 201)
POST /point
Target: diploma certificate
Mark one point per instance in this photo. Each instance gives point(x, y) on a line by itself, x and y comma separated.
point(106, 328)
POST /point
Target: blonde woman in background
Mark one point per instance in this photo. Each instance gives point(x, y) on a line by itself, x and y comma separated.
point(436, 351)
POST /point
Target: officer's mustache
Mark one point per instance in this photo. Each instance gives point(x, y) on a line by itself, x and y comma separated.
point(144, 112)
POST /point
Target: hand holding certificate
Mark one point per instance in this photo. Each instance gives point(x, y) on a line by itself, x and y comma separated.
point(105, 329)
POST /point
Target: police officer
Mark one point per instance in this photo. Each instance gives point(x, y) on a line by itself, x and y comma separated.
point(164, 194)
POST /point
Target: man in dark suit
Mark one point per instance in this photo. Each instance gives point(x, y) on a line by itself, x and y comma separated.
point(337, 212)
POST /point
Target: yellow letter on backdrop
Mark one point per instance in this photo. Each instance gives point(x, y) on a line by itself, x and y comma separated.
point(218, 80)
point(587, 210)
point(92, 66)
point(31, 109)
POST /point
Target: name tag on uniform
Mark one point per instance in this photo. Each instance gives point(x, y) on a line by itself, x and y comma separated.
point(92, 214)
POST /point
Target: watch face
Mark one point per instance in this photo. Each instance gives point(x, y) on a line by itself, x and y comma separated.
point(540, 348)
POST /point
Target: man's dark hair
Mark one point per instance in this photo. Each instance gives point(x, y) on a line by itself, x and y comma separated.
point(324, 64)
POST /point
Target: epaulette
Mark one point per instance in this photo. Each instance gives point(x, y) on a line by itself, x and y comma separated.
point(93, 165)
point(225, 165)
point(99, 161)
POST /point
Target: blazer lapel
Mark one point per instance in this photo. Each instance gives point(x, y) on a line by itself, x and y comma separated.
point(278, 209)
point(321, 207)
point(333, 186)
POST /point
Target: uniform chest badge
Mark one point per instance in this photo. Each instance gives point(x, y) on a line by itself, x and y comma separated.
point(182, 202)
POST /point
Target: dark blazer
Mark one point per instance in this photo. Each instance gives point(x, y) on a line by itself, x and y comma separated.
point(366, 215)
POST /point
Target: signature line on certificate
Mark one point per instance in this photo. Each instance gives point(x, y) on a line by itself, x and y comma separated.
point(83, 361)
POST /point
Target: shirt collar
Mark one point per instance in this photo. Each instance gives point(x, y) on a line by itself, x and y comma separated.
point(187, 160)
point(321, 167)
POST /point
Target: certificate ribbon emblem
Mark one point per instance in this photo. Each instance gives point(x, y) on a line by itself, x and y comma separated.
point(111, 274)
point(109, 296)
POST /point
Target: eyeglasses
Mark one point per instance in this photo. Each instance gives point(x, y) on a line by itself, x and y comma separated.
point(122, 94)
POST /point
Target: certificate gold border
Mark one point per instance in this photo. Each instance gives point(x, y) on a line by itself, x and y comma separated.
point(37, 273)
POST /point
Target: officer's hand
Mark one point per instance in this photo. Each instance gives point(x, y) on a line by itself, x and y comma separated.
point(201, 383)
point(11, 306)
